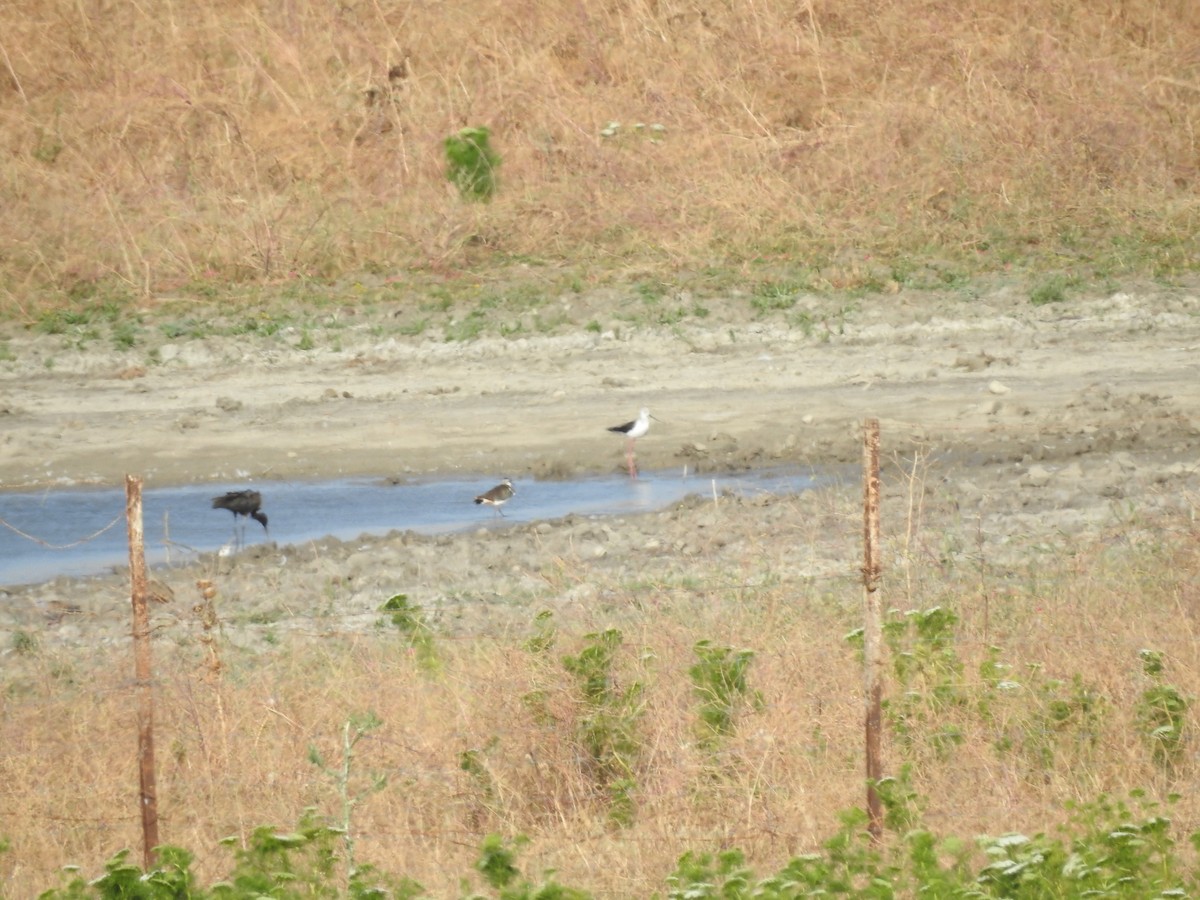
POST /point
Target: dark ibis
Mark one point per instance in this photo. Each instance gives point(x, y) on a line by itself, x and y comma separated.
point(242, 503)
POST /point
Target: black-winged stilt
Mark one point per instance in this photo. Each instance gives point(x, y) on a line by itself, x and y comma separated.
point(632, 431)
point(497, 496)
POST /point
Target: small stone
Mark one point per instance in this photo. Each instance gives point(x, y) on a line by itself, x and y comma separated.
point(1036, 477)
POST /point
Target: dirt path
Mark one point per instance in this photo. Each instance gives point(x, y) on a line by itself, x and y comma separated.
point(998, 376)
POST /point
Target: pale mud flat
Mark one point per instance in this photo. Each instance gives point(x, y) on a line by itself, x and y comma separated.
point(1022, 423)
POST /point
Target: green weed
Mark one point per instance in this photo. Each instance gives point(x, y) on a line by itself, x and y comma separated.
point(1162, 712)
point(768, 296)
point(1052, 289)
point(719, 680)
point(1105, 849)
point(467, 328)
point(354, 730)
point(545, 634)
point(47, 147)
point(928, 675)
point(409, 620)
point(414, 328)
point(185, 328)
point(1107, 853)
point(608, 727)
point(498, 866)
point(471, 163)
point(24, 643)
point(474, 763)
point(124, 335)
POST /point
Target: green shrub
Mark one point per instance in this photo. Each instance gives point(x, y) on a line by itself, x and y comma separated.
point(719, 680)
point(471, 163)
point(608, 726)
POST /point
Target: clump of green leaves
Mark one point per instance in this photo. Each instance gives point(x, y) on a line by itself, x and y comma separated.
point(902, 805)
point(409, 620)
point(1038, 718)
point(124, 335)
point(274, 863)
point(172, 877)
point(545, 634)
point(47, 147)
point(767, 296)
point(719, 680)
point(1052, 289)
point(608, 727)
point(474, 762)
point(1162, 711)
point(498, 865)
point(24, 643)
point(1107, 852)
point(1105, 849)
point(539, 645)
point(471, 163)
point(928, 674)
point(466, 328)
point(848, 864)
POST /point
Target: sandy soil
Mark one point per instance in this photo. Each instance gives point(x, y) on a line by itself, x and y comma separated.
point(1039, 418)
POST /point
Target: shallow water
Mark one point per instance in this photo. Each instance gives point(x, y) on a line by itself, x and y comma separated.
point(60, 526)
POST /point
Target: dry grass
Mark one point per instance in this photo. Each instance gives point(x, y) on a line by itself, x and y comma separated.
point(233, 739)
point(152, 148)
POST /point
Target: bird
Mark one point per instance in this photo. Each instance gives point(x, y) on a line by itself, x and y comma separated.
point(632, 431)
point(497, 496)
point(242, 503)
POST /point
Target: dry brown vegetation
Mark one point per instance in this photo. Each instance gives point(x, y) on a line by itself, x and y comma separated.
point(234, 727)
point(157, 148)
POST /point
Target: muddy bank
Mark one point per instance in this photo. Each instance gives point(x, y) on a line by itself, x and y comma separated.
point(1019, 421)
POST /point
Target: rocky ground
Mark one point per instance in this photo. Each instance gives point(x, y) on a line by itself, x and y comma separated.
point(1019, 421)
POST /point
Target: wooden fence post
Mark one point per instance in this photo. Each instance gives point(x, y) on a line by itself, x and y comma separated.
point(148, 794)
point(873, 626)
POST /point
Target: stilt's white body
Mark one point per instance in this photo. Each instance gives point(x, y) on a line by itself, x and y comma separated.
point(632, 431)
point(635, 429)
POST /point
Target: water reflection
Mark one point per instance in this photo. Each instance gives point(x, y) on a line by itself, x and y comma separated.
point(82, 531)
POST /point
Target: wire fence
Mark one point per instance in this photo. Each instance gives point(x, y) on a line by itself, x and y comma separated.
point(143, 681)
point(87, 539)
point(872, 575)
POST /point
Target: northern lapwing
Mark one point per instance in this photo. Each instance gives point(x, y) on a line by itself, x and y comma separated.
point(496, 497)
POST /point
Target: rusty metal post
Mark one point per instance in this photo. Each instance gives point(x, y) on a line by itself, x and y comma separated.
point(148, 794)
point(873, 626)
